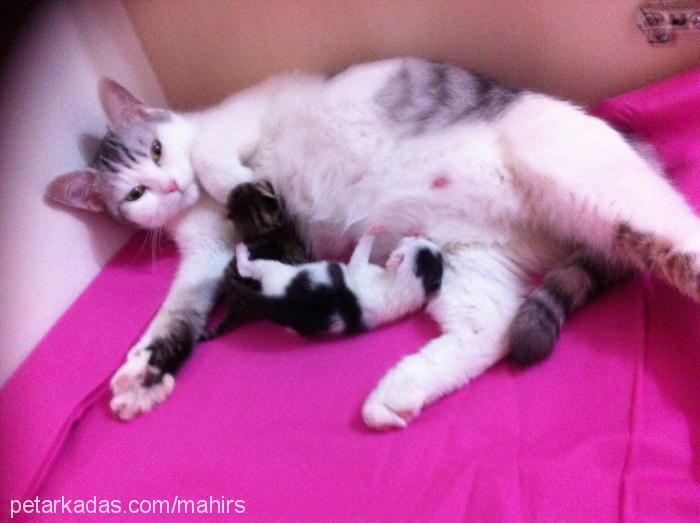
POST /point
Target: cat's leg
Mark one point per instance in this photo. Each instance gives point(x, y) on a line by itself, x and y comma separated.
point(239, 309)
point(272, 275)
point(221, 149)
point(589, 184)
point(147, 377)
point(363, 249)
point(477, 302)
point(219, 176)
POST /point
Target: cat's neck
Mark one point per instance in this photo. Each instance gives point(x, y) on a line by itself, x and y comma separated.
point(201, 226)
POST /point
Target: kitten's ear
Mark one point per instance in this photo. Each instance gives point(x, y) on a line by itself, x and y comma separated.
point(395, 261)
point(122, 108)
point(267, 190)
point(79, 189)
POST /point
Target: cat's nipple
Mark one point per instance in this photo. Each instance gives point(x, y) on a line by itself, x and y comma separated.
point(441, 180)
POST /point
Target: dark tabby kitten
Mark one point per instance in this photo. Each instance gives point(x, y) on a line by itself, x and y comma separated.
point(264, 228)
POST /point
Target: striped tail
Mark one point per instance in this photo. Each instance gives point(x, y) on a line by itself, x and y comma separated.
point(566, 287)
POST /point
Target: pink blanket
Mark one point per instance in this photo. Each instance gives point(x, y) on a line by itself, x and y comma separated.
point(608, 428)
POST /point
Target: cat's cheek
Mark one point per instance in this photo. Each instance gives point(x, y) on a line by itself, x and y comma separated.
point(136, 216)
point(148, 212)
point(190, 196)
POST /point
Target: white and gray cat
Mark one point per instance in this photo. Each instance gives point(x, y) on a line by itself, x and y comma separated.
point(507, 183)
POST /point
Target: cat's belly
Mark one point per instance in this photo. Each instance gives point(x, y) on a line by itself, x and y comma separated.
point(336, 183)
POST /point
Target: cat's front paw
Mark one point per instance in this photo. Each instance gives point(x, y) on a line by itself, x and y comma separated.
point(137, 387)
point(398, 398)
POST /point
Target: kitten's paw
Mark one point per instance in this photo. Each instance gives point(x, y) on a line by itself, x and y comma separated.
point(397, 399)
point(377, 228)
point(243, 260)
point(138, 387)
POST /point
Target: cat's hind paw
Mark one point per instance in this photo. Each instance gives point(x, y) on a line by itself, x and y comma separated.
point(395, 401)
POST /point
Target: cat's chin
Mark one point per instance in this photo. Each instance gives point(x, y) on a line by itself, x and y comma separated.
point(188, 198)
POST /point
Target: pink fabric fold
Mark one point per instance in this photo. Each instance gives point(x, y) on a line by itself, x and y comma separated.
point(606, 429)
point(70, 367)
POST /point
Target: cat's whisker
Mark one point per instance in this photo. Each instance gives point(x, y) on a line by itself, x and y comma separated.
point(143, 243)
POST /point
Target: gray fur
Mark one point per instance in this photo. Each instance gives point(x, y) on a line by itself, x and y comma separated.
point(113, 153)
point(168, 353)
point(426, 96)
point(123, 149)
point(540, 317)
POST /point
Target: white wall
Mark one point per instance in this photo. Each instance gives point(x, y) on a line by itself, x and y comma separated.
point(48, 106)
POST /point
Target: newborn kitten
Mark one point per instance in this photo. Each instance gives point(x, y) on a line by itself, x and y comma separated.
point(267, 233)
point(331, 297)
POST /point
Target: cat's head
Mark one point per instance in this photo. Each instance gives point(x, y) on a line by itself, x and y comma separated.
point(141, 174)
point(417, 260)
point(254, 209)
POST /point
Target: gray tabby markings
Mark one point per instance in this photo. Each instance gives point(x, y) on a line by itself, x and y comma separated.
point(113, 153)
point(428, 96)
point(123, 149)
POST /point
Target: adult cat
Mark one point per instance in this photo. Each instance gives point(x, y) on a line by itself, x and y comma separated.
point(506, 182)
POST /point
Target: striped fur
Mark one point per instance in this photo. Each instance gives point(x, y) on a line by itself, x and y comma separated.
point(539, 319)
point(659, 256)
point(424, 96)
point(263, 226)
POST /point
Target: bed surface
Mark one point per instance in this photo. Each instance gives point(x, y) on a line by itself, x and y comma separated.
point(606, 429)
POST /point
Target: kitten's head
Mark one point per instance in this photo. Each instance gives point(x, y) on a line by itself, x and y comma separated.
point(417, 260)
point(141, 174)
point(255, 210)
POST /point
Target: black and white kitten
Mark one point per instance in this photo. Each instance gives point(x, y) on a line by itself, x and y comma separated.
point(331, 297)
point(266, 231)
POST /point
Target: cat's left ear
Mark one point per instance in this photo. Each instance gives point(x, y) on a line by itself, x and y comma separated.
point(122, 108)
point(395, 261)
point(267, 190)
point(79, 189)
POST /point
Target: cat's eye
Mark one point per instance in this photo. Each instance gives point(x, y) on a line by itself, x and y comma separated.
point(135, 193)
point(156, 151)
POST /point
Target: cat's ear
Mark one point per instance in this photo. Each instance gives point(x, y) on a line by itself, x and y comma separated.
point(395, 261)
point(122, 108)
point(79, 189)
point(267, 190)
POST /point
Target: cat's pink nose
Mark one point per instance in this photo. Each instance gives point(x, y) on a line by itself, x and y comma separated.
point(172, 187)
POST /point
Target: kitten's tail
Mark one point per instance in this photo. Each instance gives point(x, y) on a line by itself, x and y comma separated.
point(566, 287)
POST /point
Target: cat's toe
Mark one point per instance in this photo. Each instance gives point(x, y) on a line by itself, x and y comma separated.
point(142, 398)
point(379, 416)
point(124, 406)
point(131, 373)
point(122, 382)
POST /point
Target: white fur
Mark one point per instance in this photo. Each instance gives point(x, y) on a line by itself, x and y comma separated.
point(520, 186)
